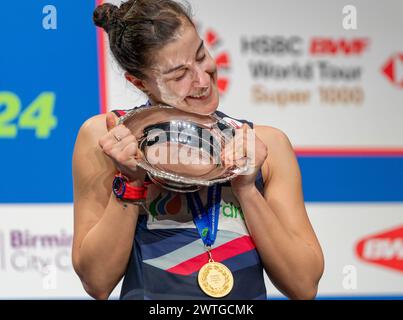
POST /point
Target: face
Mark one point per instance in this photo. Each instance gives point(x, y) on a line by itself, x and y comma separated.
point(184, 74)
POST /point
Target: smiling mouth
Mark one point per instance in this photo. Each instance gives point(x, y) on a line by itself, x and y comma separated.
point(202, 96)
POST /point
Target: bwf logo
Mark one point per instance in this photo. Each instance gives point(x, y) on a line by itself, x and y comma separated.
point(384, 249)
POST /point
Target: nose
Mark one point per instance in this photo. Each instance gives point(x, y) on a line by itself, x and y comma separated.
point(202, 78)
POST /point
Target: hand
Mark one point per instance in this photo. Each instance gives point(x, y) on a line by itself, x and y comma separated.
point(246, 145)
point(120, 145)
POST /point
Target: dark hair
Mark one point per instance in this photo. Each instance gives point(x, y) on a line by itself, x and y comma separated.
point(139, 27)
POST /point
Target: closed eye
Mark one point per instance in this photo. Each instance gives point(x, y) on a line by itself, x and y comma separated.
point(200, 59)
point(180, 77)
point(201, 53)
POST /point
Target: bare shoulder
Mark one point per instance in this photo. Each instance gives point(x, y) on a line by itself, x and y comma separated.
point(272, 137)
point(89, 162)
point(90, 132)
point(94, 126)
point(280, 149)
point(87, 139)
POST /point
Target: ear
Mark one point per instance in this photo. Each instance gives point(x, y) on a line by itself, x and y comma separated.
point(135, 81)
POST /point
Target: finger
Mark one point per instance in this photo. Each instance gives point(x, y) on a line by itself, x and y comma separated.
point(228, 157)
point(110, 121)
point(112, 147)
point(227, 151)
point(126, 157)
point(130, 151)
point(119, 146)
point(236, 152)
point(236, 147)
point(119, 133)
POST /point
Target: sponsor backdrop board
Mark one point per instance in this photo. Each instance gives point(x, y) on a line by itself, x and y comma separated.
point(336, 93)
point(363, 252)
point(35, 252)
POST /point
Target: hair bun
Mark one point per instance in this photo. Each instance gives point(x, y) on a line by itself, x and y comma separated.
point(103, 15)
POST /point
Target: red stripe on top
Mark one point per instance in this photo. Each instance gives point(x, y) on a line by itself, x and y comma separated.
point(101, 66)
point(221, 253)
point(120, 113)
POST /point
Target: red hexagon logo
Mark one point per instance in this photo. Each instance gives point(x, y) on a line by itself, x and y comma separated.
point(222, 58)
point(393, 69)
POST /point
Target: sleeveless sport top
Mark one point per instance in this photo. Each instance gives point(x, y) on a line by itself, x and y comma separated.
point(167, 250)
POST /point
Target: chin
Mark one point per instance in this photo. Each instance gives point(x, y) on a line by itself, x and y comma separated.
point(210, 109)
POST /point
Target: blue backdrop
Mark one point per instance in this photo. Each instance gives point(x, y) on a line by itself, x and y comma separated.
point(49, 87)
point(60, 65)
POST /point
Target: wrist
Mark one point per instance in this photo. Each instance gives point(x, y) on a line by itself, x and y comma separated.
point(132, 181)
point(245, 191)
point(135, 183)
point(132, 191)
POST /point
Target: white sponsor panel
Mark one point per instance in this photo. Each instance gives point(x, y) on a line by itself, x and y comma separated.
point(35, 253)
point(376, 269)
point(293, 65)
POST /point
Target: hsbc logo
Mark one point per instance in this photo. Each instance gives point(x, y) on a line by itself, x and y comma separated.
point(384, 249)
point(393, 69)
point(222, 59)
point(272, 45)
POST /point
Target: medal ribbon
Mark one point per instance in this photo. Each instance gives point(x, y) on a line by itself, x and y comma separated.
point(206, 221)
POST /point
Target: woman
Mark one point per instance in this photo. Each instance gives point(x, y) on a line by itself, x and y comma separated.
point(262, 218)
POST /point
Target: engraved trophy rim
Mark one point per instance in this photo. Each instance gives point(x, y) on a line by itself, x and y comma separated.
point(173, 181)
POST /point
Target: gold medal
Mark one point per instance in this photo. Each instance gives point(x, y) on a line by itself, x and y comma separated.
point(215, 279)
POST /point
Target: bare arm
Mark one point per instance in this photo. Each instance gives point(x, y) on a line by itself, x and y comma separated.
point(103, 226)
point(278, 221)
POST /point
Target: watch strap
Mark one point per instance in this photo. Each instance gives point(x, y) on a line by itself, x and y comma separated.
point(128, 192)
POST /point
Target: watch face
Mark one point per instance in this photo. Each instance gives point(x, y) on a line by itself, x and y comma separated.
point(119, 187)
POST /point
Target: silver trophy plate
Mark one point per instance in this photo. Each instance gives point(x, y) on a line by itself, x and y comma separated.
point(182, 151)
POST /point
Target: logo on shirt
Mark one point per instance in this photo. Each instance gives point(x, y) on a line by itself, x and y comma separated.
point(229, 210)
point(170, 203)
point(166, 204)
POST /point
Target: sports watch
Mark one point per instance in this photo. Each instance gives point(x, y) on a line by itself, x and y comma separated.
point(124, 191)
